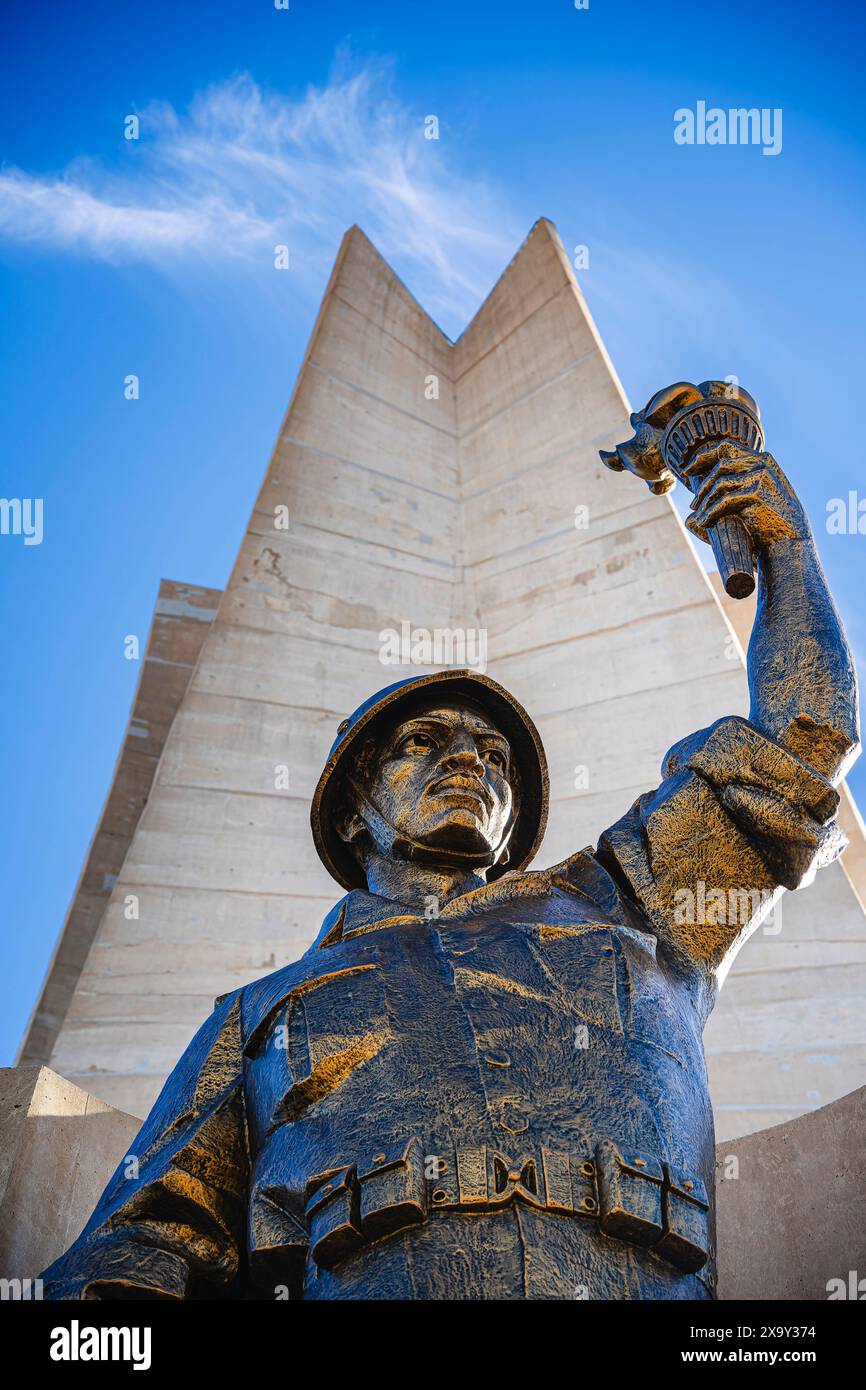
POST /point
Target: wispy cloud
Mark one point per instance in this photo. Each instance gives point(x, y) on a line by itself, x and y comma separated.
point(244, 170)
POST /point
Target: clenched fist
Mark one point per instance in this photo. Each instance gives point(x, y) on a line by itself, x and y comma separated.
point(750, 486)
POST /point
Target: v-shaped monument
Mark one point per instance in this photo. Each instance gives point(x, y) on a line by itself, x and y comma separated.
point(423, 486)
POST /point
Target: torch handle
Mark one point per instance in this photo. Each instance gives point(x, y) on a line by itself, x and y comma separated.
point(732, 547)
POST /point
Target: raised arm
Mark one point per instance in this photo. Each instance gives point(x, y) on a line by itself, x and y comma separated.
point(746, 807)
point(801, 673)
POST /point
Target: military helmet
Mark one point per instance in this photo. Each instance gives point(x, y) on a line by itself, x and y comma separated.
point(398, 702)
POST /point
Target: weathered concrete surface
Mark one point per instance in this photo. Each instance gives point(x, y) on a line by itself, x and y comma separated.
point(788, 1034)
point(182, 615)
point(58, 1148)
point(794, 1217)
point(454, 510)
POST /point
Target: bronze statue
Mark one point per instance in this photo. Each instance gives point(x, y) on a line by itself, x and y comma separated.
point(483, 1082)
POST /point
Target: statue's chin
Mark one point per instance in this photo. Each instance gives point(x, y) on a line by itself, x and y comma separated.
point(461, 831)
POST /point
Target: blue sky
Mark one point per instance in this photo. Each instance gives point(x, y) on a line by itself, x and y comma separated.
point(260, 126)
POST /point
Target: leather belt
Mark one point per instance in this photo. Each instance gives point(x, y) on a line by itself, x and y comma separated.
point(631, 1196)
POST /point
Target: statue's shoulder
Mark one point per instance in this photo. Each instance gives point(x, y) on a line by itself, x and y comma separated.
point(586, 874)
point(259, 999)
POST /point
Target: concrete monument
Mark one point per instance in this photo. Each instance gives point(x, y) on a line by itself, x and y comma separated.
point(483, 1081)
point(429, 485)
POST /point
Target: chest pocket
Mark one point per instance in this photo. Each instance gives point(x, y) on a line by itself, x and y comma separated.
point(657, 1008)
point(315, 1037)
point(581, 960)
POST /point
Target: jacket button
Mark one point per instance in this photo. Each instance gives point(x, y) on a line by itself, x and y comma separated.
point(497, 1059)
point(512, 1119)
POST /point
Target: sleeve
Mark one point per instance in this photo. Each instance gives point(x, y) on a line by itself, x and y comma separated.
point(173, 1213)
point(736, 819)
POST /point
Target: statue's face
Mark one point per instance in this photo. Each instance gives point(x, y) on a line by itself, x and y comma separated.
point(443, 777)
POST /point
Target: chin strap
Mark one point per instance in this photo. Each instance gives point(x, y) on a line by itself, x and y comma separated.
point(416, 851)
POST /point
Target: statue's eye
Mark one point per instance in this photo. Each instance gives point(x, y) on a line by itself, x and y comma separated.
point(418, 743)
point(496, 758)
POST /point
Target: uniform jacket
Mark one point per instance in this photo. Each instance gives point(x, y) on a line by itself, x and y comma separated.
point(507, 1099)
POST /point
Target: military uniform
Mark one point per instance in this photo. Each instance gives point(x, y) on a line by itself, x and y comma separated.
point(504, 1100)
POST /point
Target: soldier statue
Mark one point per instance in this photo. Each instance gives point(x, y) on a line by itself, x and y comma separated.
point(482, 1081)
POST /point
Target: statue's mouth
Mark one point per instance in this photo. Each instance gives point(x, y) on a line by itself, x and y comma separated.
point(461, 789)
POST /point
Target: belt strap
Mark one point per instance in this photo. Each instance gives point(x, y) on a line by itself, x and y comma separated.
point(632, 1196)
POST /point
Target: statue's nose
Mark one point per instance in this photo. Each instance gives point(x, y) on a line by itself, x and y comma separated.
point(462, 756)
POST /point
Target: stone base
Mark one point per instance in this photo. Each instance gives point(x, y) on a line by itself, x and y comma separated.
point(58, 1148)
point(795, 1216)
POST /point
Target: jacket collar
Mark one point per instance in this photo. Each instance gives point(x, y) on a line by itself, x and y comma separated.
point(361, 912)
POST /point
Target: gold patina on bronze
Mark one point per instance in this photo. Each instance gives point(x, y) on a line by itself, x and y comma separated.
point(678, 435)
point(484, 1081)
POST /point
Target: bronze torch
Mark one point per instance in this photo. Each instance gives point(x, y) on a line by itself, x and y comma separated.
point(670, 434)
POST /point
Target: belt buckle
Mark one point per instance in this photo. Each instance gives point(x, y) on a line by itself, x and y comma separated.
point(485, 1178)
point(508, 1179)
